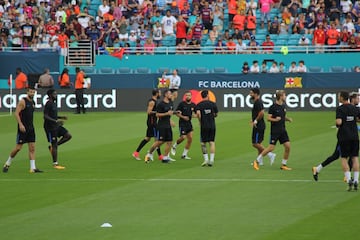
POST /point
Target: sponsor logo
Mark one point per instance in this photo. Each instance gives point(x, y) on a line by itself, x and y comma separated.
point(228, 84)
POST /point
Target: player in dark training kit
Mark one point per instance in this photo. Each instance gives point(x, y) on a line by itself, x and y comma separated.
point(53, 127)
point(354, 100)
point(151, 123)
point(258, 124)
point(348, 138)
point(164, 111)
point(207, 111)
point(185, 111)
point(277, 117)
point(24, 114)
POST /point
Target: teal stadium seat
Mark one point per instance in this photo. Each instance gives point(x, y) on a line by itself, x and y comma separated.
point(124, 70)
point(219, 70)
point(337, 69)
point(142, 70)
point(89, 70)
point(201, 70)
point(281, 42)
point(106, 70)
point(183, 70)
point(315, 69)
point(163, 69)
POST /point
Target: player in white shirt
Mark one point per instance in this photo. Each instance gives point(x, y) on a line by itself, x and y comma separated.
point(175, 82)
point(168, 23)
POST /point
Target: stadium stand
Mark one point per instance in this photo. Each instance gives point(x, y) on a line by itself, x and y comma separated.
point(124, 70)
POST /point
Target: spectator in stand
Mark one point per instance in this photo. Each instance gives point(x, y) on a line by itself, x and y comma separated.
point(349, 24)
point(175, 11)
point(93, 33)
point(357, 26)
point(255, 68)
point(274, 26)
point(133, 37)
point(332, 36)
point(283, 28)
point(268, 45)
point(218, 17)
point(346, 6)
point(181, 26)
point(220, 47)
point(344, 37)
point(123, 25)
point(282, 68)
point(21, 81)
point(149, 47)
point(265, 7)
point(319, 38)
point(245, 68)
point(253, 45)
point(293, 68)
point(232, 10)
point(295, 28)
point(16, 36)
point(194, 46)
point(206, 16)
point(237, 34)
point(185, 11)
point(239, 21)
point(52, 28)
point(182, 47)
point(353, 43)
point(155, 18)
point(274, 68)
point(168, 23)
point(28, 30)
point(264, 68)
point(230, 46)
point(104, 7)
point(355, 11)
point(304, 41)
point(60, 15)
point(294, 8)
point(251, 5)
point(197, 30)
point(226, 35)
point(357, 69)
point(286, 16)
point(62, 42)
point(251, 22)
point(301, 67)
point(157, 33)
point(334, 11)
point(240, 46)
point(310, 23)
point(320, 15)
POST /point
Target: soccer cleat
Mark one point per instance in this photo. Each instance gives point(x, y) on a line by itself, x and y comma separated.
point(204, 164)
point(272, 159)
point(350, 186)
point(210, 165)
point(161, 157)
point(173, 151)
point(355, 186)
point(285, 168)
point(6, 168)
point(147, 158)
point(255, 165)
point(185, 157)
point(36, 171)
point(315, 173)
point(172, 160)
point(57, 166)
point(136, 155)
point(165, 160)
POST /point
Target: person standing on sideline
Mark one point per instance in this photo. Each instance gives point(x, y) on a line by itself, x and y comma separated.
point(53, 127)
point(21, 81)
point(24, 114)
point(64, 79)
point(348, 138)
point(46, 80)
point(79, 90)
point(151, 123)
point(164, 111)
point(354, 100)
point(258, 124)
point(175, 82)
point(185, 111)
point(277, 117)
point(206, 112)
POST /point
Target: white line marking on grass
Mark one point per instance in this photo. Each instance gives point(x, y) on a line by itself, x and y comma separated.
point(163, 180)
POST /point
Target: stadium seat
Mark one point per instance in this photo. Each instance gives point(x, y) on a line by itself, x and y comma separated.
point(294, 36)
point(201, 70)
point(163, 69)
point(142, 70)
point(183, 70)
point(281, 42)
point(219, 70)
point(273, 37)
point(293, 42)
point(337, 69)
point(161, 50)
point(124, 70)
point(106, 70)
point(283, 37)
point(315, 69)
point(261, 31)
point(89, 70)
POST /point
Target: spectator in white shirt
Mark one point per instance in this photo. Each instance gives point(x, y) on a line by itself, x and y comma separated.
point(293, 68)
point(168, 23)
point(240, 46)
point(302, 68)
point(255, 68)
point(274, 68)
point(104, 7)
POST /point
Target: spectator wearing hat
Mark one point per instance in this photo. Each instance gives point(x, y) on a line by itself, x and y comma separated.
point(253, 45)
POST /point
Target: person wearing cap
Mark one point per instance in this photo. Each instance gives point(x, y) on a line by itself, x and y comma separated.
point(253, 45)
point(53, 126)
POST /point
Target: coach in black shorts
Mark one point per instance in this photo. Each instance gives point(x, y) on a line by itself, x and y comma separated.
point(164, 111)
point(53, 127)
point(206, 111)
point(348, 138)
point(277, 117)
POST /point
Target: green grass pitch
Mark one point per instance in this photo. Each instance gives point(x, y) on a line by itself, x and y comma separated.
point(103, 183)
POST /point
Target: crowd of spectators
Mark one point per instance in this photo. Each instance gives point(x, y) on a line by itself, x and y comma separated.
point(274, 67)
point(229, 26)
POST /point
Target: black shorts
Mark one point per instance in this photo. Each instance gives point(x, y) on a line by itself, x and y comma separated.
point(207, 135)
point(26, 137)
point(164, 134)
point(281, 137)
point(349, 148)
point(185, 129)
point(51, 135)
point(61, 131)
point(151, 131)
point(257, 135)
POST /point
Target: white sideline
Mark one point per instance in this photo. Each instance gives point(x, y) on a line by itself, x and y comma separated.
point(164, 180)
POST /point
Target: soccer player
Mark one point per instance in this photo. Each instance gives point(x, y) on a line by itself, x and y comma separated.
point(206, 112)
point(354, 100)
point(24, 114)
point(79, 90)
point(53, 127)
point(258, 124)
point(277, 117)
point(164, 111)
point(185, 111)
point(348, 138)
point(151, 124)
point(175, 82)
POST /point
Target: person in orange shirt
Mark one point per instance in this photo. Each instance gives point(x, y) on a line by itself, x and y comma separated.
point(319, 38)
point(251, 22)
point(239, 21)
point(64, 79)
point(232, 9)
point(79, 90)
point(332, 35)
point(21, 79)
point(62, 39)
point(231, 46)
